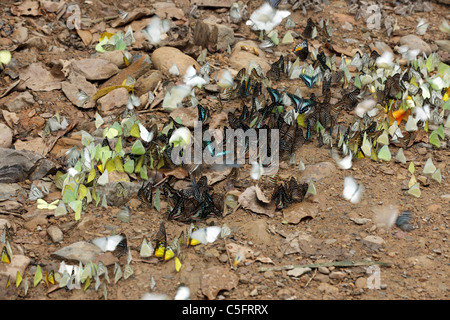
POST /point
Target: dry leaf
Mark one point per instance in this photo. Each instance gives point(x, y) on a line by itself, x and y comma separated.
point(85, 35)
point(249, 200)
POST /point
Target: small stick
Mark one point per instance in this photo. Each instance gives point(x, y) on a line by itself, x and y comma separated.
point(315, 272)
point(15, 214)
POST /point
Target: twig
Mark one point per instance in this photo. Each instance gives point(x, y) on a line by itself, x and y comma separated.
point(12, 214)
point(309, 281)
point(327, 264)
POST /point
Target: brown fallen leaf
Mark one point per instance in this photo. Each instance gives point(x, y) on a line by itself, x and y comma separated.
point(299, 211)
point(85, 35)
point(249, 200)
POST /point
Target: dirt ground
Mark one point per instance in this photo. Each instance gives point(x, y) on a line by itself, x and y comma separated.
point(335, 229)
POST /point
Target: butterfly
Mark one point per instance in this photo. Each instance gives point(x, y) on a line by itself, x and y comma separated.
point(308, 31)
point(404, 221)
point(49, 278)
point(352, 191)
point(275, 96)
point(203, 114)
point(301, 50)
point(205, 235)
point(42, 204)
point(145, 193)
point(276, 69)
point(6, 258)
point(310, 81)
point(110, 243)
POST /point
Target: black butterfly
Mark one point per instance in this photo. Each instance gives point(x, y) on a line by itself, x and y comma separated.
point(307, 32)
point(145, 193)
point(203, 114)
point(322, 59)
point(301, 50)
point(275, 96)
point(310, 81)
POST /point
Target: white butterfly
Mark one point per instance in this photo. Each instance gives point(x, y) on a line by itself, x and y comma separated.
point(226, 79)
point(365, 106)
point(108, 243)
point(266, 18)
point(175, 96)
point(183, 293)
point(409, 54)
point(206, 235)
point(192, 79)
point(422, 26)
point(343, 163)
point(257, 171)
point(385, 60)
point(155, 29)
point(422, 113)
point(352, 191)
point(174, 70)
point(146, 135)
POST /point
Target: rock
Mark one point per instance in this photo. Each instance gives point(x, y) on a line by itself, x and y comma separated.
point(297, 272)
point(18, 263)
point(55, 234)
point(347, 26)
point(216, 279)
point(76, 82)
point(113, 103)
point(320, 277)
point(361, 283)
point(317, 171)
point(18, 165)
point(21, 100)
point(373, 242)
point(20, 34)
point(36, 145)
point(147, 82)
point(95, 69)
point(11, 118)
point(8, 190)
point(110, 191)
point(240, 58)
point(79, 251)
point(337, 275)
point(163, 58)
point(323, 270)
point(415, 42)
point(210, 32)
point(38, 78)
point(187, 116)
point(6, 136)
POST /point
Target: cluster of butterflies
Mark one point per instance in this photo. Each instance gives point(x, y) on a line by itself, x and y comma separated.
point(290, 192)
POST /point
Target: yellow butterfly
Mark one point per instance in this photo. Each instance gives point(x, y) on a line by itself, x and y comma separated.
point(5, 256)
point(49, 278)
point(169, 254)
point(42, 204)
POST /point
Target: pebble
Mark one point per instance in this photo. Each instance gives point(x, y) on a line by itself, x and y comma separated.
point(328, 289)
point(361, 283)
point(114, 102)
point(323, 278)
point(21, 100)
point(6, 136)
point(95, 69)
point(323, 270)
point(297, 272)
point(337, 275)
point(79, 251)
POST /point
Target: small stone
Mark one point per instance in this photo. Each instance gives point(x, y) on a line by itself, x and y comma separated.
point(337, 275)
point(6, 136)
point(347, 26)
point(95, 69)
point(361, 283)
point(21, 100)
point(147, 82)
point(55, 234)
point(254, 292)
point(373, 242)
point(113, 103)
point(297, 272)
point(323, 270)
point(269, 274)
point(323, 278)
point(79, 251)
